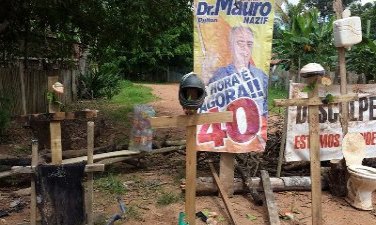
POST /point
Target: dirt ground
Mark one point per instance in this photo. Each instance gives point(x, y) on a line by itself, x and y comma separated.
point(146, 187)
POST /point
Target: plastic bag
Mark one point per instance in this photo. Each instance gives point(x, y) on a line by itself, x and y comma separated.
point(141, 134)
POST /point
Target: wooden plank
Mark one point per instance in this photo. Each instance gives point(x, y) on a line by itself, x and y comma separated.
point(89, 184)
point(223, 194)
point(7, 173)
point(102, 156)
point(226, 169)
point(190, 120)
point(314, 148)
point(33, 196)
point(190, 174)
point(22, 80)
point(95, 167)
point(58, 116)
point(314, 100)
point(269, 199)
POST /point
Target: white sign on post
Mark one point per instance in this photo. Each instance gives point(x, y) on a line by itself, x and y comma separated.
point(362, 118)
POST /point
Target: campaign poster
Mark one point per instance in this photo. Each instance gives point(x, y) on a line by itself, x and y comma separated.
point(232, 51)
point(362, 119)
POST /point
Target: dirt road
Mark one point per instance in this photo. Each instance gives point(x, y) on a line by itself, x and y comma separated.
point(148, 188)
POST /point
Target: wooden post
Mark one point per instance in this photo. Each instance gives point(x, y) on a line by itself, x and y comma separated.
point(338, 8)
point(190, 122)
point(55, 128)
point(223, 193)
point(226, 172)
point(313, 102)
point(283, 142)
point(314, 148)
point(190, 173)
point(33, 195)
point(269, 199)
point(90, 160)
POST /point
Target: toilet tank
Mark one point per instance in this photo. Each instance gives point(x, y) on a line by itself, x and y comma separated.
point(347, 31)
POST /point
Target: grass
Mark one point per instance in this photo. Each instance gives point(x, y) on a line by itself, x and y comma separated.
point(133, 213)
point(110, 184)
point(276, 93)
point(167, 198)
point(130, 95)
point(121, 104)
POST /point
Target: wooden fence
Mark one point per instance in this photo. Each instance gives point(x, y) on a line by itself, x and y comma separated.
point(35, 88)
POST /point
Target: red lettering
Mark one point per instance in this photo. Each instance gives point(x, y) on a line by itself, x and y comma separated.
point(368, 138)
point(336, 140)
point(217, 134)
point(324, 140)
point(297, 139)
point(302, 143)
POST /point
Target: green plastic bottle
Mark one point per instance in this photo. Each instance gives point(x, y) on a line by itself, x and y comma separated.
point(182, 219)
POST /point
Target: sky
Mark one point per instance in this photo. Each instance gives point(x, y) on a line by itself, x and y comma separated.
point(363, 1)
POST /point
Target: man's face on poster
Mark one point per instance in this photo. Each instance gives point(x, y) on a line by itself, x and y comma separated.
point(242, 46)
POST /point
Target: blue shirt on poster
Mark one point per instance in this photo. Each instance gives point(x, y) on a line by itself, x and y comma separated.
point(257, 73)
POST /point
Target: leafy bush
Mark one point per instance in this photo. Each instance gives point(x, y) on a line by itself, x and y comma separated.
point(360, 58)
point(4, 113)
point(100, 82)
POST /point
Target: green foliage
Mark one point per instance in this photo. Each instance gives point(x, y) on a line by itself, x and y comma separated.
point(101, 82)
point(309, 87)
point(360, 57)
point(4, 113)
point(325, 6)
point(52, 98)
point(167, 198)
point(366, 12)
point(47, 28)
point(130, 94)
point(110, 184)
point(150, 34)
point(276, 93)
point(329, 98)
point(306, 39)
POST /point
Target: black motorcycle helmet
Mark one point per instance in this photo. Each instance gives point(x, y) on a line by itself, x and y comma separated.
point(191, 83)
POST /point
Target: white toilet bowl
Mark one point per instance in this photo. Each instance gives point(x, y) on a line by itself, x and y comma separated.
point(361, 184)
point(362, 179)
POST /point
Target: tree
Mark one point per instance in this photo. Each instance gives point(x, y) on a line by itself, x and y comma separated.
point(305, 39)
point(325, 7)
point(149, 34)
point(360, 56)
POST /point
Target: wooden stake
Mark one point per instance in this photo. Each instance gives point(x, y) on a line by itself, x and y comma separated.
point(269, 199)
point(226, 172)
point(223, 194)
point(283, 143)
point(33, 195)
point(55, 128)
point(338, 8)
point(90, 160)
point(314, 147)
point(190, 173)
point(190, 122)
point(343, 89)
